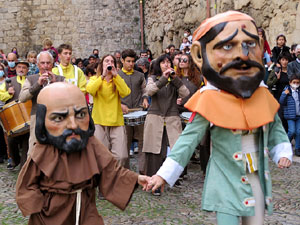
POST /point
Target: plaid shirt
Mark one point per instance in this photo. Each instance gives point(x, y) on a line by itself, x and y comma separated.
point(11, 73)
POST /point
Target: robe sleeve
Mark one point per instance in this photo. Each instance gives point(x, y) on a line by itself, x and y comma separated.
point(28, 195)
point(183, 149)
point(116, 183)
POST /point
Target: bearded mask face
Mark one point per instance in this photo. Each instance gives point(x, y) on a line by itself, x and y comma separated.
point(231, 57)
point(67, 139)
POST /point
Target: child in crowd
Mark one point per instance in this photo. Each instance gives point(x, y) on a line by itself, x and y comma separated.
point(290, 100)
point(48, 46)
point(280, 48)
point(31, 58)
point(185, 43)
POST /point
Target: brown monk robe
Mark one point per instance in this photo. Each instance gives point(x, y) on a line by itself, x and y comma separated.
point(55, 177)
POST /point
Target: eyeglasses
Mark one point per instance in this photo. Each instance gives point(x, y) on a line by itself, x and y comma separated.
point(185, 60)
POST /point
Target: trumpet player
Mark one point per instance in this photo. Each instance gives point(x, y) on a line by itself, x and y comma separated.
point(34, 84)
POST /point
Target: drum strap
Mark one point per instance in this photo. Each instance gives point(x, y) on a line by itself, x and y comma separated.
point(74, 80)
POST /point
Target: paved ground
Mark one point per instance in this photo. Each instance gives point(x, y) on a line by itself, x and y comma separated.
point(179, 205)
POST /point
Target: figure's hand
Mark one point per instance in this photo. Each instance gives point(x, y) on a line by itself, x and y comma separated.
point(287, 91)
point(114, 71)
point(278, 75)
point(11, 91)
point(179, 101)
point(167, 73)
point(143, 181)
point(43, 79)
point(124, 108)
point(145, 103)
point(156, 182)
point(284, 163)
point(52, 77)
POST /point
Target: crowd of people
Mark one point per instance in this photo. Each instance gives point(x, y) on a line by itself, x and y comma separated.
point(115, 85)
point(136, 82)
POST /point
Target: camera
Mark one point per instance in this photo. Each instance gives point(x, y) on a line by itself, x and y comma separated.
point(172, 73)
point(109, 68)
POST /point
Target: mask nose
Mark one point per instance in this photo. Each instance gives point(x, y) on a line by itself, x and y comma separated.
point(243, 52)
point(245, 49)
point(72, 123)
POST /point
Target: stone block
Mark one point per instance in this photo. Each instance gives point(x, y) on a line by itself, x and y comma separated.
point(239, 4)
point(37, 2)
point(258, 4)
point(37, 13)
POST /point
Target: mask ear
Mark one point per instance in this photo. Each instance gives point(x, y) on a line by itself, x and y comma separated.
point(196, 54)
point(40, 129)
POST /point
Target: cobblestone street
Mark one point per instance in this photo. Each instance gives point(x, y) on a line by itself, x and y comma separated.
point(179, 205)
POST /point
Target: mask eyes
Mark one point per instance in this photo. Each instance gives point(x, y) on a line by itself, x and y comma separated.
point(251, 44)
point(227, 47)
point(81, 115)
point(57, 118)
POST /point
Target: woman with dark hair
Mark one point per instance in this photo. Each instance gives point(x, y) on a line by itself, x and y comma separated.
point(163, 124)
point(278, 80)
point(107, 89)
point(280, 48)
point(266, 53)
point(190, 77)
point(79, 63)
point(150, 57)
point(15, 50)
point(262, 34)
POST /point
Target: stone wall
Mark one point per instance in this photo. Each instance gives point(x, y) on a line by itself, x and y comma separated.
point(108, 25)
point(166, 20)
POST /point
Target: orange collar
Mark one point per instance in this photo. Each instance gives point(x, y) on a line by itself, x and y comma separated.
point(225, 110)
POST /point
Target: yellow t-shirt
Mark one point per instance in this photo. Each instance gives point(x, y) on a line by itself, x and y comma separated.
point(69, 73)
point(4, 95)
point(107, 96)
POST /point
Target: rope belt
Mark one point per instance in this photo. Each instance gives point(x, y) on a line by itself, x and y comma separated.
point(78, 204)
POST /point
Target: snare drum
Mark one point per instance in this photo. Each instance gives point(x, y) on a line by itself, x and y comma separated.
point(135, 118)
point(15, 117)
point(185, 116)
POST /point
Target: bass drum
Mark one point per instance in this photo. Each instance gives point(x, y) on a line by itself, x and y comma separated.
point(15, 118)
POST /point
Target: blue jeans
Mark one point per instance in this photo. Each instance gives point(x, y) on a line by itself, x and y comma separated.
point(294, 131)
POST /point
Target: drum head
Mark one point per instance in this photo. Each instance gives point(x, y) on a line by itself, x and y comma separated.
point(186, 115)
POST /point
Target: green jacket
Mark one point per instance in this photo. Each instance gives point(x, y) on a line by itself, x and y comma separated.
point(224, 189)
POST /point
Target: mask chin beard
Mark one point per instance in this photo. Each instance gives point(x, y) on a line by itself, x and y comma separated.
point(243, 86)
point(72, 145)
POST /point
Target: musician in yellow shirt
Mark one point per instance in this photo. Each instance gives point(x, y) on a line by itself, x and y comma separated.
point(72, 73)
point(9, 91)
point(107, 89)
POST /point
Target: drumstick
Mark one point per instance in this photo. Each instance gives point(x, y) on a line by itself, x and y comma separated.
point(135, 109)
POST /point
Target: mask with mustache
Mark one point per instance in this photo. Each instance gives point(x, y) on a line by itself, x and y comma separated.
point(60, 142)
point(243, 86)
point(72, 145)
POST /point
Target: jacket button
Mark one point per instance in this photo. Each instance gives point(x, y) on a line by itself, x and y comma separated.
point(244, 180)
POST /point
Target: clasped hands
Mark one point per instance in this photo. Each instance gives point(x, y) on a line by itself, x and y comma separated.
point(151, 183)
point(156, 181)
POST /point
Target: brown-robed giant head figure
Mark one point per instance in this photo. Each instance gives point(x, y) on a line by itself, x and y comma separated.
point(62, 118)
point(228, 50)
